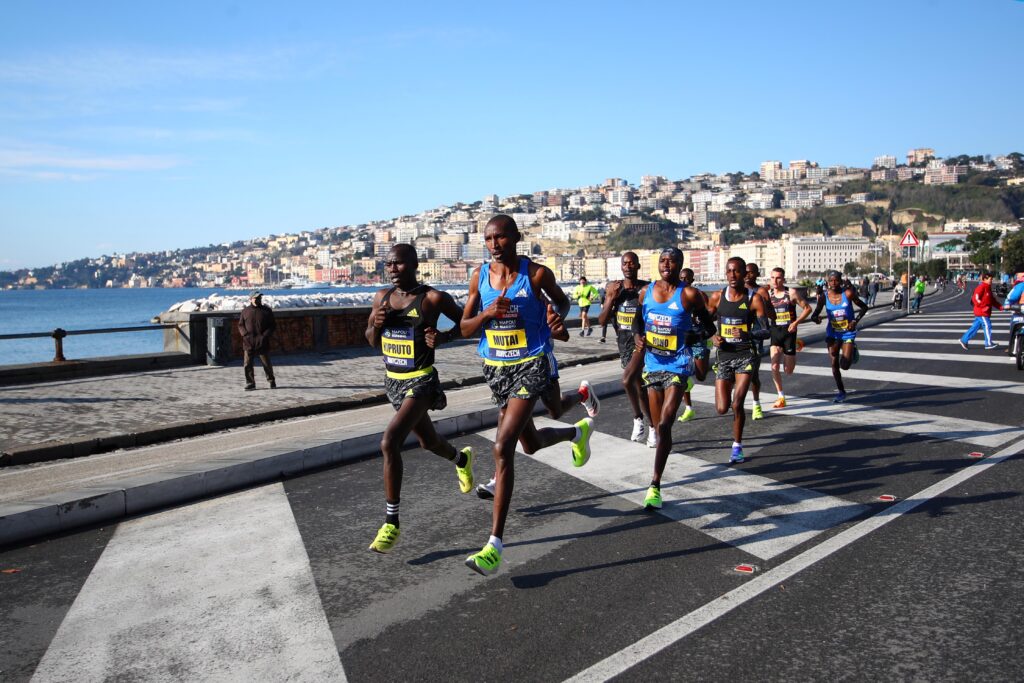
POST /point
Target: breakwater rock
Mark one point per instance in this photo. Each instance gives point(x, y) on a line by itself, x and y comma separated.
point(219, 302)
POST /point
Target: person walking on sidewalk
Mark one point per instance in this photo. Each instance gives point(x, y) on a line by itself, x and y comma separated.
point(841, 333)
point(784, 301)
point(256, 325)
point(585, 295)
point(620, 307)
point(919, 289)
point(983, 300)
point(506, 303)
point(664, 332)
point(403, 325)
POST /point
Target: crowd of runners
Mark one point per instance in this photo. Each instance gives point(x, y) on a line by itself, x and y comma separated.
point(669, 335)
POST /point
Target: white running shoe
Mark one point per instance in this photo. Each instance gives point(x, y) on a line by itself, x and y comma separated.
point(589, 399)
point(638, 430)
point(486, 491)
point(652, 438)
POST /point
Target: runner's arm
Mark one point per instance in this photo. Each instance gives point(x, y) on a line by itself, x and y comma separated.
point(443, 302)
point(610, 293)
point(375, 323)
point(851, 294)
point(802, 303)
point(472, 320)
point(543, 281)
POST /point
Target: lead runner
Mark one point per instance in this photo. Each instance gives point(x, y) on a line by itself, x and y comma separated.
point(506, 303)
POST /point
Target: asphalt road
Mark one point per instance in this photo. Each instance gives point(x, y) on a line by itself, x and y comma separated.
point(276, 582)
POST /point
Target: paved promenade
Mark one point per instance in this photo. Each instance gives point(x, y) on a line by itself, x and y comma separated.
point(82, 416)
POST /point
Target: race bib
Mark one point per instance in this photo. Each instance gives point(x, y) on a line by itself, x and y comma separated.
point(840, 324)
point(783, 317)
point(662, 342)
point(624, 319)
point(398, 346)
point(505, 340)
point(733, 329)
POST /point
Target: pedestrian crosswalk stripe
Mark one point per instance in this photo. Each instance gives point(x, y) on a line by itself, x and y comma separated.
point(233, 599)
point(762, 516)
point(948, 341)
point(871, 417)
point(943, 381)
point(921, 355)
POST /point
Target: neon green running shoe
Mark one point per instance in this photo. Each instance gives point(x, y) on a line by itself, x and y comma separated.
point(387, 536)
point(687, 414)
point(581, 444)
point(486, 561)
point(466, 473)
point(652, 501)
point(757, 412)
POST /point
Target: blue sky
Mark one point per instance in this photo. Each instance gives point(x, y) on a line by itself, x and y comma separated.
point(137, 126)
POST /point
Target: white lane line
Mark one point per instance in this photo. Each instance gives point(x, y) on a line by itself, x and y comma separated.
point(954, 343)
point(219, 590)
point(762, 516)
point(876, 418)
point(944, 381)
point(925, 355)
point(671, 634)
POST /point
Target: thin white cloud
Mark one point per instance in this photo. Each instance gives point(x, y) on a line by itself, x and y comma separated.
point(50, 163)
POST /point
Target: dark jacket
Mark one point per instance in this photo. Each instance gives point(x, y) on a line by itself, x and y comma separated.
point(256, 324)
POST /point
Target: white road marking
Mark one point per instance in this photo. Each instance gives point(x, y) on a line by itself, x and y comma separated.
point(218, 590)
point(874, 418)
point(762, 516)
point(952, 357)
point(945, 381)
point(954, 342)
point(669, 635)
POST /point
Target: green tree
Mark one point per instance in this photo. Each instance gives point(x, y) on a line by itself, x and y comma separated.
point(1013, 252)
point(982, 245)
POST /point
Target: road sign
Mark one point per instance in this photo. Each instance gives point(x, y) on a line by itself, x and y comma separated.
point(909, 239)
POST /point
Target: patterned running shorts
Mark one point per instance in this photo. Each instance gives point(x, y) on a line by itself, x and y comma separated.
point(660, 380)
point(731, 363)
point(525, 380)
point(427, 387)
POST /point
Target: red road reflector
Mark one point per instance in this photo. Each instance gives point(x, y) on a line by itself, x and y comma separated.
point(975, 454)
point(887, 498)
point(745, 568)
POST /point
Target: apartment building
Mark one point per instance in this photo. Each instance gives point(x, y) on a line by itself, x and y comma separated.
point(802, 198)
point(815, 255)
point(884, 174)
point(920, 155)
point(885, 161)
point(940, 174)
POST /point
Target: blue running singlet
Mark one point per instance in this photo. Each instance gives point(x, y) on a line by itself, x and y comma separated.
point(522, 334)
point(839, 318)
point(665, 328)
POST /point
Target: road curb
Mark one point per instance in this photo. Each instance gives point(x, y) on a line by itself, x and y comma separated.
point(35, 518)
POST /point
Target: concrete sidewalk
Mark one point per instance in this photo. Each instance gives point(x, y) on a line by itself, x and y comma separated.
point(44, 499)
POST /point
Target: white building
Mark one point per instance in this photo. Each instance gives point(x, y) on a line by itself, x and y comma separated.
point(815, 255)
point(885, 161)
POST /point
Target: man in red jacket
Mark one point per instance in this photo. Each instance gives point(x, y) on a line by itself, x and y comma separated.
point(983, 302)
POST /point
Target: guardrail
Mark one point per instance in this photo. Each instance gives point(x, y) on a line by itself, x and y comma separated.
point(59, 334)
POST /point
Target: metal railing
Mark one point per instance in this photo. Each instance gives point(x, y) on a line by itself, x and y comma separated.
point(58, 335)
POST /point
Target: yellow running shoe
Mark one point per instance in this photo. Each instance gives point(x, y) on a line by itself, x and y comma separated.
point(652, 501)
point(757, 413)
point(486, 561)
point(581, 444)
point(466, 473)
point(687, 414)
point(387, 536)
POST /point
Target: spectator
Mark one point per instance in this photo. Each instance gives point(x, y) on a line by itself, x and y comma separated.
point(256, 325)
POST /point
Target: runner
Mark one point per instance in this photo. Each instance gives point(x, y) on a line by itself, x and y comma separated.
point(700, 350)
point(753, 272)
point(842, 327)
point(585, 295)
point(515, 330)
point(403, 324)
point(554, 400)
point(664, 332)
point(620, 308)
point(742, 317)
point(784, 301)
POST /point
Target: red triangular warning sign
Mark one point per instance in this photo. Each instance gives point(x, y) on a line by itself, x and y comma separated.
point(909, 239)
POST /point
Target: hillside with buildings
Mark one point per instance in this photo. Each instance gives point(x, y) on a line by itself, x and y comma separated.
point(803, 216)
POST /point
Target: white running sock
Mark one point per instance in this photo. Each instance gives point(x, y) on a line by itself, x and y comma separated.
point(737, 444)
point(496, 542)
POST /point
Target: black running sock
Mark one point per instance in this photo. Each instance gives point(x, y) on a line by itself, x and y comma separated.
point(391, 516)
point(461, 460)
